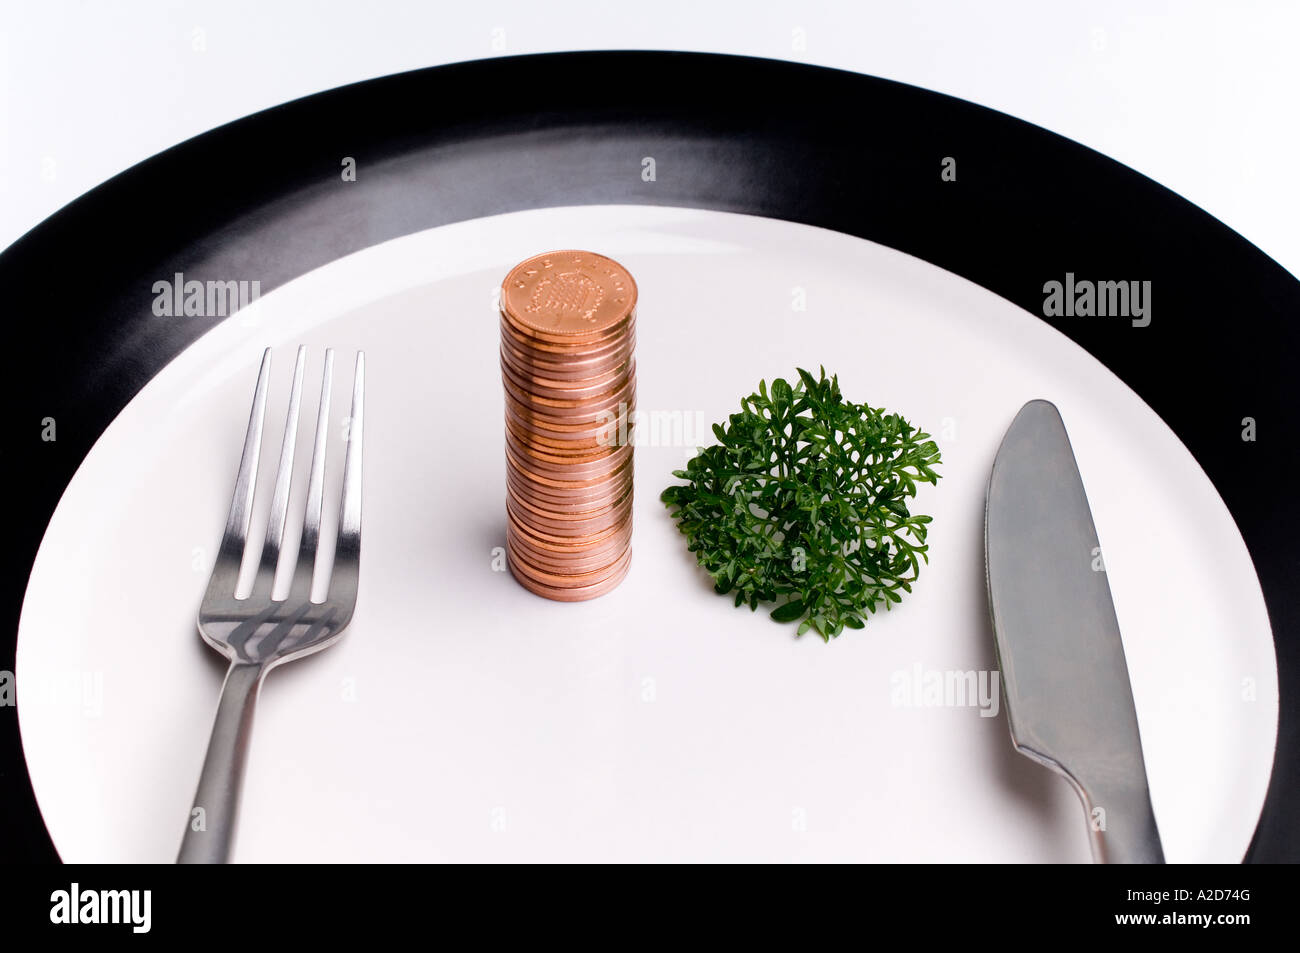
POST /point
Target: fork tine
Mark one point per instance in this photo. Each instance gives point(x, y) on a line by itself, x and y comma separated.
point(300, 590)
point(264, 581)
point(347, 552)
point(225, 570)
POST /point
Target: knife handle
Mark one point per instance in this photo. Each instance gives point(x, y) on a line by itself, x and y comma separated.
point(1121, 824)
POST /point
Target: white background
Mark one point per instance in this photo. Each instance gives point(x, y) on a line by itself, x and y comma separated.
point(1199, 96)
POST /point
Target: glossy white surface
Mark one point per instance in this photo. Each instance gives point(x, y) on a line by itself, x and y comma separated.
point(462, 718)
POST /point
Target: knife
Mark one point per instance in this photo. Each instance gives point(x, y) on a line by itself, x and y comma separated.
point(1064, 679)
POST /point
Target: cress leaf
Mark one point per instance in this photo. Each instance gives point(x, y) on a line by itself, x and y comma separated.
point(805, 501)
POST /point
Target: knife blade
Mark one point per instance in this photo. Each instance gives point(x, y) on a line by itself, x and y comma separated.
point(1065, 680)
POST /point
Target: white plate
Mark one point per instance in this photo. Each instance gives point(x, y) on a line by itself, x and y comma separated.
point(462, 718)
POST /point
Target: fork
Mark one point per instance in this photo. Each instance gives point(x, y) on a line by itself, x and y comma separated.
point(259, 632)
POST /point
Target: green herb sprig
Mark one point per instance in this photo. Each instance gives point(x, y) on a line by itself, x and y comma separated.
point(804, 501)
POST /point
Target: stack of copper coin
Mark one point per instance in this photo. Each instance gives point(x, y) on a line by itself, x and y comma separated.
point(568, 323)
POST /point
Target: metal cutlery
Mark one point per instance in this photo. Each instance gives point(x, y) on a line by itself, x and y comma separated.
point(1065, 679)
point(259, 632)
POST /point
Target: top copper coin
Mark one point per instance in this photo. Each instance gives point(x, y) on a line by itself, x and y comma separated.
point(569, 294)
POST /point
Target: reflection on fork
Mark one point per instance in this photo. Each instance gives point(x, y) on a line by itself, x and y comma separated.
point(259, 632)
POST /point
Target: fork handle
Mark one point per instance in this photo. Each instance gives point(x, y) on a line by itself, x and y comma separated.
point(210, 832)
